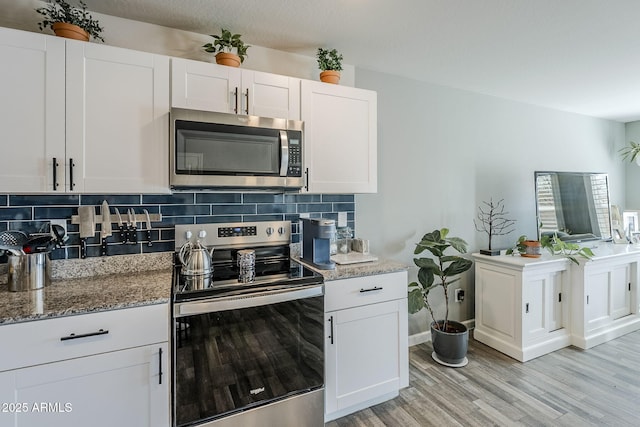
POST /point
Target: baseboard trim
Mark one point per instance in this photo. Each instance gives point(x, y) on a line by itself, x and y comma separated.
point(425, 336)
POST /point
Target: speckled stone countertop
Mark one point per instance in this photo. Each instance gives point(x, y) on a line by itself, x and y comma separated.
point(347, 271)
point(90, 285)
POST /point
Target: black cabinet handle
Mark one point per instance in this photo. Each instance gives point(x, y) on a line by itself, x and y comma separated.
point(160, 365)
point(247, 96)
point(375, 288)
point(71, 165)
point(55, 174)
point(331, 329)
point(90, 334)
point(235, 94)
point(306, 176)
point(526, 310)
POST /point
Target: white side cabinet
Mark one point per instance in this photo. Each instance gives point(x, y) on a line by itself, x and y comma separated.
point(210, 87)
point(366, 343)
point(101, 369)
point(522, 305)
point(340, 138)
point(101, 112)
point(608, 303)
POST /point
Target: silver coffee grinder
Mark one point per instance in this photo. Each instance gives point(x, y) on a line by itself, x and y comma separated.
point(317, 235)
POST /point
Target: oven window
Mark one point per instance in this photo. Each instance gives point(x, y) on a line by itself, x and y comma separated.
point(236, 359)
point(206, 152)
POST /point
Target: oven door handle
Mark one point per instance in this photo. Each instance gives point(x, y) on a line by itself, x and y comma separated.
point(244, 301)
point(284, 153)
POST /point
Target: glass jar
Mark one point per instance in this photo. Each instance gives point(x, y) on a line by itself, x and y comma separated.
point(343, 239)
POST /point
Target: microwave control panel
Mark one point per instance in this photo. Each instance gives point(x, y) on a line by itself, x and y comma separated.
point(295, 157)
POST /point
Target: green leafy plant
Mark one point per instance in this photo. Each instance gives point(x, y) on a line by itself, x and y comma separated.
point(444, 268)
point(329, 59)
point(227, 42)
point(518, 247)
point(630, 152)
point(571, 251)
point(61, 11)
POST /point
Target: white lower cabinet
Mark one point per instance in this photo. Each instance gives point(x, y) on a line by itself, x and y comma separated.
point(78, 383)
point(366, 343)
point(606, 310)
point(520, 306)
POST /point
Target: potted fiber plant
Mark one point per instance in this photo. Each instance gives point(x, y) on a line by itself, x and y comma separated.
point(330, 64)
point(449, 338)
point(69, 21)
point(229, 48)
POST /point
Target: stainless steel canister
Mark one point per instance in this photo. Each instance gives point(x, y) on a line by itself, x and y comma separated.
point(30, 271)
point(247, 265)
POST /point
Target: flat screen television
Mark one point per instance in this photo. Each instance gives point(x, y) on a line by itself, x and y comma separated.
point(575, 205)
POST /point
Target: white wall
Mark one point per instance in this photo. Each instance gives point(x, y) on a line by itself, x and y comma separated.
point(633, 170)
point(443, 151)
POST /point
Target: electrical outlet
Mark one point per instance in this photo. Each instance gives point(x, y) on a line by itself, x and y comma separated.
point(459, 295)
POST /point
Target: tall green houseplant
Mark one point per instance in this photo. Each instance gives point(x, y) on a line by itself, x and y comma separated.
point(445, 268)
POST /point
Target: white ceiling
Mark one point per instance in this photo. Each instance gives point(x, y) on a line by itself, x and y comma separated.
point(574, 55)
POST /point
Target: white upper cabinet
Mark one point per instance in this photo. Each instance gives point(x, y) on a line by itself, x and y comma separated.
point(340, 138)
point(117, 119)
point(32, 84)
point(210, 87)
point(101, 112)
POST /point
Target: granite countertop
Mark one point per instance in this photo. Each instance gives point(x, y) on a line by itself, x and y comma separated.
point(347, 271)
point(90, 285)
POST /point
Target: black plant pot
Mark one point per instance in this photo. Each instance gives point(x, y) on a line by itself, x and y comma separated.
point(450, 347)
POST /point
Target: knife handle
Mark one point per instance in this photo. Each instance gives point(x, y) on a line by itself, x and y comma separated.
point(134, 234)
point(124, 233)
point(149, 237)
point(83, 248)
point(103, 247)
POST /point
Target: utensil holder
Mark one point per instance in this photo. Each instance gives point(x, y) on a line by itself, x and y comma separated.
point(29, 272)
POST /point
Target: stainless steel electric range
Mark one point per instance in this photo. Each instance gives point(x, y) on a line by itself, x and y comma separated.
point(247, 349)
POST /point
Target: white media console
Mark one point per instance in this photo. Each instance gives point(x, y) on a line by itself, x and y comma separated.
point(527, 307)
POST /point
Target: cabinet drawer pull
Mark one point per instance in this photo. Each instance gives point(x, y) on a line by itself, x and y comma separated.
point(247, 96)
point(375, 288)
point(71, 183)
point(160, 366)
point(235, 95)
point(90, 334)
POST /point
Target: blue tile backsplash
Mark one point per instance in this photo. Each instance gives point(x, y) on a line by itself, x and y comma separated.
point(32, 213)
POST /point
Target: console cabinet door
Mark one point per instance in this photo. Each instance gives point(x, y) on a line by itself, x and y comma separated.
point(620, 291)
point(32, 83)
point(340, 138)
point(121, 388)
point(117, 119)
point(362, 356)
point(597, 300)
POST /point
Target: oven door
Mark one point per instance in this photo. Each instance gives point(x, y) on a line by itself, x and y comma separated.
point(232, 354)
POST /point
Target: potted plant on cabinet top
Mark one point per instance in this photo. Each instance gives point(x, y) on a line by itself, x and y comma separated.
point(230, 47)
point(631, 152)
point(330, 64)
point(449, 338)
point(69, 21)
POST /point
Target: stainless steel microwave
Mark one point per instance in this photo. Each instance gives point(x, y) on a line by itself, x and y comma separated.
point(221, 150)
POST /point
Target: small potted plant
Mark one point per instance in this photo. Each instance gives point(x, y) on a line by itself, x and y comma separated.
point(449, 338)
point(330, 64)
point(69, 21)
point(230, 48)
point(631, 152)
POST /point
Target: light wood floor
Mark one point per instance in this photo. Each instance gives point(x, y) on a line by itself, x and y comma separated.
point(569, 387)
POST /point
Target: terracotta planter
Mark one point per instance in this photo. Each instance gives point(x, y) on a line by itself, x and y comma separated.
point(70, 31)
point(532, 249)
point(228, 59)
point(330, 76)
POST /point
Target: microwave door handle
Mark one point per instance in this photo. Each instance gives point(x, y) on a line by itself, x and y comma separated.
point(284, 153)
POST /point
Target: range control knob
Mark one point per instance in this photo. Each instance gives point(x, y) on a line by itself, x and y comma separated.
point(269, 231)
point(281, 231)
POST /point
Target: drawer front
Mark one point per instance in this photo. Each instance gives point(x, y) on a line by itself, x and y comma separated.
point(357, 291)
point(51, 340)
